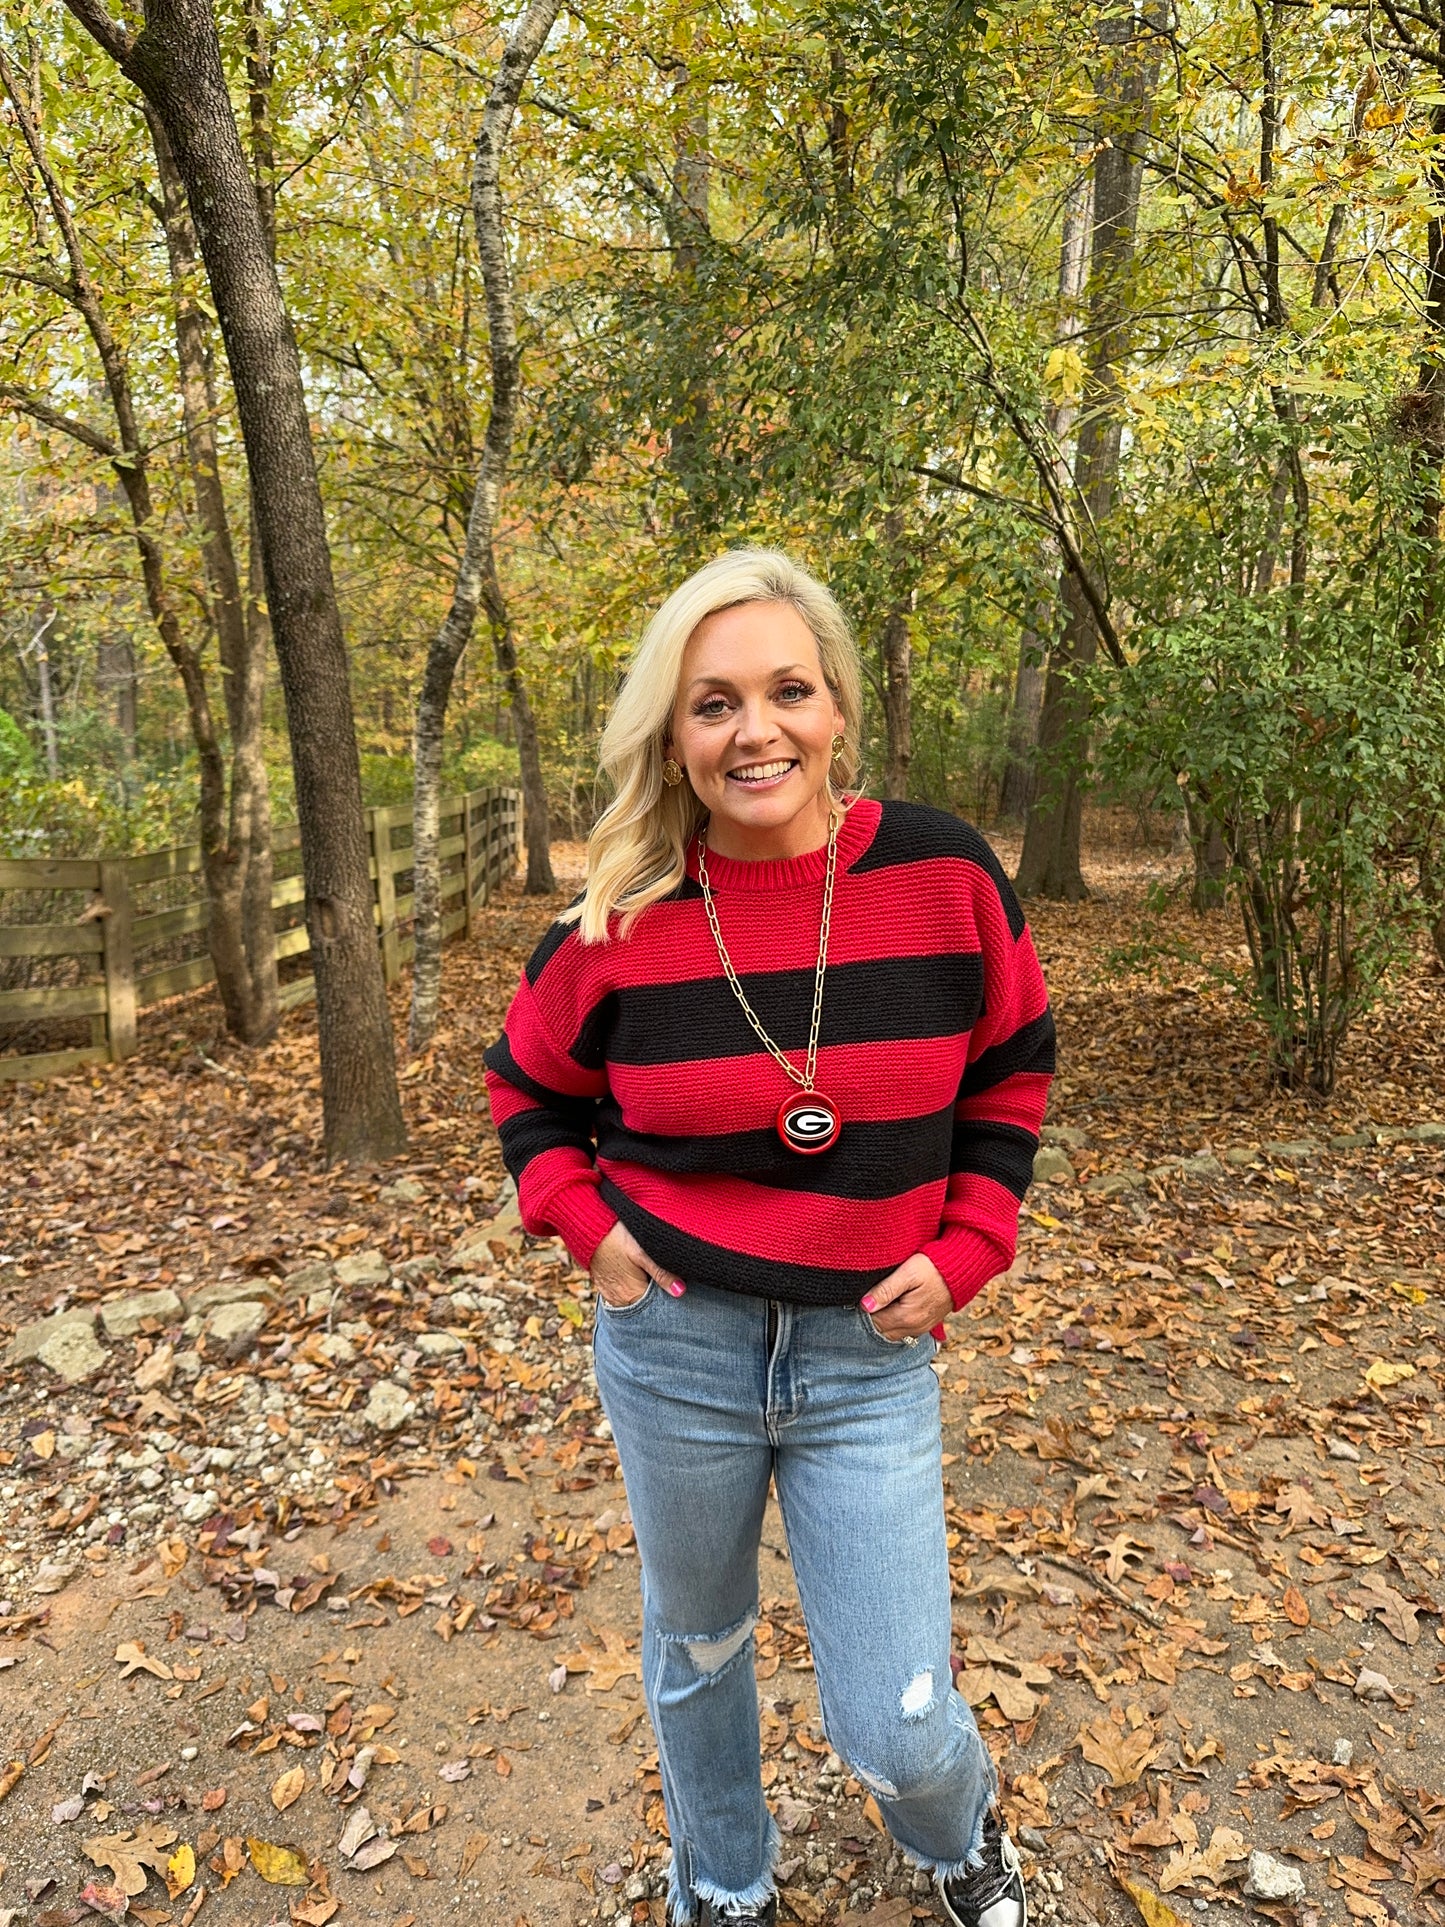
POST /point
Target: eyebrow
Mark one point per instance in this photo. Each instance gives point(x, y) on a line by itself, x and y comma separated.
point(788, 669)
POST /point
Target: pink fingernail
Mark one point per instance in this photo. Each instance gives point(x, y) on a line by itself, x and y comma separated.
point(870, 1303)
point(676, 1289)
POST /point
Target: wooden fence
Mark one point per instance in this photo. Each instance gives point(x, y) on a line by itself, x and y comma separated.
point(137, 932)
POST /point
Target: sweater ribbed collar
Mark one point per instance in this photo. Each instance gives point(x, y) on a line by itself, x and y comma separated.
point(787, 873)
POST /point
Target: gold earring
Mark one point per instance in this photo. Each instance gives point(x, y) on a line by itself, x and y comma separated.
point(838, 743)
point(672, 772)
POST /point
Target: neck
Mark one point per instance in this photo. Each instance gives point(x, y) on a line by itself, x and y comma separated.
point(740, 843)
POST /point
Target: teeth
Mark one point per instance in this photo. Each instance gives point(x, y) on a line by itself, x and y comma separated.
point(761, 772)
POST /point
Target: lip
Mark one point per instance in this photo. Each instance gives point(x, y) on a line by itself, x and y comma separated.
point(754, 787)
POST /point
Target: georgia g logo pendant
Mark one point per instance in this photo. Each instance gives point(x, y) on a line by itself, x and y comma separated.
point(809, 1122)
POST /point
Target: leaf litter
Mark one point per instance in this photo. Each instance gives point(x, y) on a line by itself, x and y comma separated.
point(1191, 1463)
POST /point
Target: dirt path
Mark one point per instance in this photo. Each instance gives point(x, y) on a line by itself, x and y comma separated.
point(336, 1528)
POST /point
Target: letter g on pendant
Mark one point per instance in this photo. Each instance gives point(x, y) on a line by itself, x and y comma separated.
point(809, 1123)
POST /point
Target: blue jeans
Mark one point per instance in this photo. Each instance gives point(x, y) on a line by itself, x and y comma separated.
point(708, 1396)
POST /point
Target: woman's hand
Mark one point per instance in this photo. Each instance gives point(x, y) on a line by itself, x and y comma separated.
point(621, 1270)
point(909, 1301)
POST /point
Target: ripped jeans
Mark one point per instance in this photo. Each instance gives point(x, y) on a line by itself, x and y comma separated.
point(708, 1396)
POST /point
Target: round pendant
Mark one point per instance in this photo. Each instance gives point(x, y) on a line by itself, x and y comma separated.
point(809, 1122)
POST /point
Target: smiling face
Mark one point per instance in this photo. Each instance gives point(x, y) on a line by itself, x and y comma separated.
point(753, 726)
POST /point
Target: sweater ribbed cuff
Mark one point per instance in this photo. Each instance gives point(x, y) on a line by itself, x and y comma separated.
point(966, 1260)
point(578, 1215)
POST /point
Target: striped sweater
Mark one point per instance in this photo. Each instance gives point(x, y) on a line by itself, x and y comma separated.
point(628, 1083)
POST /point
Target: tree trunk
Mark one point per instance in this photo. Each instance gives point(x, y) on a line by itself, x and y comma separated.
point(48, 733)
point(1017, 791)
point(477, 582)
point(115, 677)
point(176, 62)
point(687, 222)
point(241, 926)
point(1211, 856)
point(1050, 865)
point(897, 700)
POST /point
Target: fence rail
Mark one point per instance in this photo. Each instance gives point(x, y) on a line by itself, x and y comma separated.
point(103, 950)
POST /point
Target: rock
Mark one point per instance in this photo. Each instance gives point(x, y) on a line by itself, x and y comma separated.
point(1114, 1184)
point(440, 1345)
point(1204, 1165)
point(1066, 1134)
point(233, 1330)
point(365, 1268)
point(26, 1345)
point(473, 1246)
point(231, 1291)
point(123, 1317)
point(404, 1191)
point(339, 1350)
point(1052, 1166)
point(72, 1351)
point(54, 1575)
point(1271, 1879)
point(188, 1364)
point(314, 1277)
point(1429, 1133)
point(1373, 1686)
point(1297, 1149)
point(1343, 1754)
point(1033, 1839)
point(1241, 1154)
point(387, 1406)
point(198, 1505)
point(1342, 1449)
point(1352, 1140)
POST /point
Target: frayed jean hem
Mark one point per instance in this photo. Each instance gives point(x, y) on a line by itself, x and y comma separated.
point(682, 1908)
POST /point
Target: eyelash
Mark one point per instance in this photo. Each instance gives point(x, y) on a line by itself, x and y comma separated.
point(802, 691)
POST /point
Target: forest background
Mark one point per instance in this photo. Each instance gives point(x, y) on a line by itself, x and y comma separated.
point(1095, 355)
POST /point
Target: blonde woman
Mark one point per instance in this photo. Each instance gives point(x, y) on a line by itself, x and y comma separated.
point(777, 1081)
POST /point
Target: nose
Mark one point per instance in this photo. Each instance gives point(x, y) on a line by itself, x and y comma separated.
point(754, 725)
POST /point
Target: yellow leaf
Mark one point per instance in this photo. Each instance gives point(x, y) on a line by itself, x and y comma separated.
point(174, 1553)
point(1155, 1912)
point(180, 1870)
point(872, 1815)
point(281, 1866)
point(1388, 1371)
point(289, 1788)
point(573, 1312)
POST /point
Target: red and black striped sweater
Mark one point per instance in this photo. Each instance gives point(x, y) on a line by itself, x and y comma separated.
point(628, 1083)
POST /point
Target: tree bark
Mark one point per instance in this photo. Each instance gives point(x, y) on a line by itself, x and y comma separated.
point(1049, 865)
point(477, 582)
point(241, 923)
point(176, 63)
point(897, 700)
point(1016, 793)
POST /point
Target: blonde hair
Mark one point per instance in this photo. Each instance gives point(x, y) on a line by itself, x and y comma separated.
point(637, 852)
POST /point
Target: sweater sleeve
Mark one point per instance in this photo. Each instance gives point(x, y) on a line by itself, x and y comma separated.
point(544, 1095)
point(1001, 1099)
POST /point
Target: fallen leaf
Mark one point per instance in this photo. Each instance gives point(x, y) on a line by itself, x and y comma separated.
point(107, 1901)
point(313, 1910)
point(287, 1790)
point(1154, 1911)
point(134, 1658)
point(476, 1845)
point(279, 1865)
point(606, 1666)
point(180, 1870)
point(1296, 1607)
point(128, 1855)
point(1123, 1755)
point(1385, 1372)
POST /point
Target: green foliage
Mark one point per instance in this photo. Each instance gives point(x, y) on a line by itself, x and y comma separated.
point(1312, 742)
point(17, 752)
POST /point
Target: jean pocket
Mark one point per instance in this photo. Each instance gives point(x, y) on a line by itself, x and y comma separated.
point(649, 1291)
point(897, 1344)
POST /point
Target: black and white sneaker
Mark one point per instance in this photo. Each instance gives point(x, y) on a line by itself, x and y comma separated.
point(991, 1895)
point(766, 1915)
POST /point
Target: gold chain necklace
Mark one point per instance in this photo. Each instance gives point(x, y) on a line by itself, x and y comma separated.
point(811, 1122)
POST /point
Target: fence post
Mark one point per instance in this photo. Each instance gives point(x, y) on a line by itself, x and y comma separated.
point(468, 860)
point(385, 891)
point(120, 1006)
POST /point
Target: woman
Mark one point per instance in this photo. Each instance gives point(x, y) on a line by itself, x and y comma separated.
point(776, 1079)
